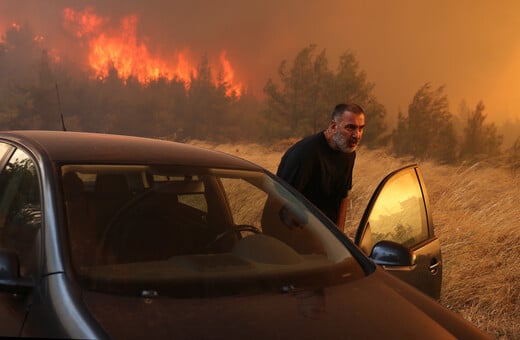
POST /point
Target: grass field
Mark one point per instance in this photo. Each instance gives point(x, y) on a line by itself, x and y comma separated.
point(476, 213)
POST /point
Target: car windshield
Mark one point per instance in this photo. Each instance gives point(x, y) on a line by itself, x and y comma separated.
point(165, 230)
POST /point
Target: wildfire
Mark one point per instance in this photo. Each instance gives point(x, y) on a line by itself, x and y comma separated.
point(119, 48)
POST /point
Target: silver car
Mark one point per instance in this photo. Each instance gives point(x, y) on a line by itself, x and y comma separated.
point(105, 236)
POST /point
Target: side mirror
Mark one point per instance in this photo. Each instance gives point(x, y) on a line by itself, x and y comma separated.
point(10, 280)
point(388, 253)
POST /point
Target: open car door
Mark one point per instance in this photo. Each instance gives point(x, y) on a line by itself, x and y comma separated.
point(396, 231)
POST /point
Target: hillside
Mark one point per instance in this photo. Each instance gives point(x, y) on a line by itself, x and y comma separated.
point(476, 216)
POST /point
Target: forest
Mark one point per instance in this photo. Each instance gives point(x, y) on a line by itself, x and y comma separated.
point(36, 91)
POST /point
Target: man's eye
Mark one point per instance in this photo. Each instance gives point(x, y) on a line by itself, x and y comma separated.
point(352, 127)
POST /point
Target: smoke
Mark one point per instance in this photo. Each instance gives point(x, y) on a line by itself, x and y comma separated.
point(471, 47)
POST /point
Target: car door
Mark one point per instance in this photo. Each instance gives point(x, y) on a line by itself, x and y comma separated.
point(397, 232)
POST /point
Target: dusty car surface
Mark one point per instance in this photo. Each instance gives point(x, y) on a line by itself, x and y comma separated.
point(105, 236)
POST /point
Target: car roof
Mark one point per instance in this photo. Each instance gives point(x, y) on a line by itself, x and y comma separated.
point(86, 147)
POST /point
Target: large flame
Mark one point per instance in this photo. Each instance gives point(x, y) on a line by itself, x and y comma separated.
point(119, 48)
point(229, 76)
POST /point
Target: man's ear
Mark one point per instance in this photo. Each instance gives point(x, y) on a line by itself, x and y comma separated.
point(333, 125)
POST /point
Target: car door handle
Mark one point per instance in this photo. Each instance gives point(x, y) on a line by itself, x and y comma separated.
point(434, 267)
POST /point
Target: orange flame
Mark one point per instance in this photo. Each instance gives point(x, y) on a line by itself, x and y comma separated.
point(121, 50)
point(82, 22)
point(235, 88)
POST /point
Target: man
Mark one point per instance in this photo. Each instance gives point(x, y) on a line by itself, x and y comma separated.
point(320, 166)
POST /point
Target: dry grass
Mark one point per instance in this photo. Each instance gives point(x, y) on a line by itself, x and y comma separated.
point(476, 216)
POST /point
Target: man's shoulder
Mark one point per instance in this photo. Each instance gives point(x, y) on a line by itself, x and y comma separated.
point(300, 157)
point(307, 144)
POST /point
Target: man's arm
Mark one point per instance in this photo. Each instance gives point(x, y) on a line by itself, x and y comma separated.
point(342, 214)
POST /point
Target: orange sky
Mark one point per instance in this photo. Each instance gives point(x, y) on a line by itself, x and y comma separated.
point(471, 47)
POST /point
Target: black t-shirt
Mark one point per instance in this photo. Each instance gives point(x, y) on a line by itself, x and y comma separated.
point(320, 173)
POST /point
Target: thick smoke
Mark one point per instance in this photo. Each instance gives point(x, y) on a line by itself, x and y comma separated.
point(470, 47)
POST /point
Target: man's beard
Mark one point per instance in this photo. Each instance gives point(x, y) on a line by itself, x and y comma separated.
point(343, 144)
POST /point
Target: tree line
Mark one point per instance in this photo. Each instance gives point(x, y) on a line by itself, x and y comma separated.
point(34, 91)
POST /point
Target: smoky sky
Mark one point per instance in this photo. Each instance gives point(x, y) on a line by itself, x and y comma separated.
point(470, 47)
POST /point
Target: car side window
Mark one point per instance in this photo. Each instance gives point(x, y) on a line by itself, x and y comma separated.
point(399, 214)
point(20, 208)
point(196, 200)
point(246, 201)
point(4, 151)
point(191, 190)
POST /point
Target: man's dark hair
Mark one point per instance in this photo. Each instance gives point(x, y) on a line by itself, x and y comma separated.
point(341, 108)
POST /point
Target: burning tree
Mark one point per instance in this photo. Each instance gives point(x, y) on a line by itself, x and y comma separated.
point(122, 86)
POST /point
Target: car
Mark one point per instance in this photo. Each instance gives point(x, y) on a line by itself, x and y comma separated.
point(109, 236)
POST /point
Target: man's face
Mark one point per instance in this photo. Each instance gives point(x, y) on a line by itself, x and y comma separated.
point(348, 130)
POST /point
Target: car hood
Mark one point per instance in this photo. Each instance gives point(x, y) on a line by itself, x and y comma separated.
point(376, 306)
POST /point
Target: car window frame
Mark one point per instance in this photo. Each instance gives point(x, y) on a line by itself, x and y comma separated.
point(36, 268)
point(362, 228)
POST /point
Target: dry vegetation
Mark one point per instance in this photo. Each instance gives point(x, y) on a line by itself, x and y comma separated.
point(476, 216)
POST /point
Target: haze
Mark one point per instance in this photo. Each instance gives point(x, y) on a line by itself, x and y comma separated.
point(471, 47)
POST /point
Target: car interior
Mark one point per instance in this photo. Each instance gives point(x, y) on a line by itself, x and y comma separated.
point(123, 221)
